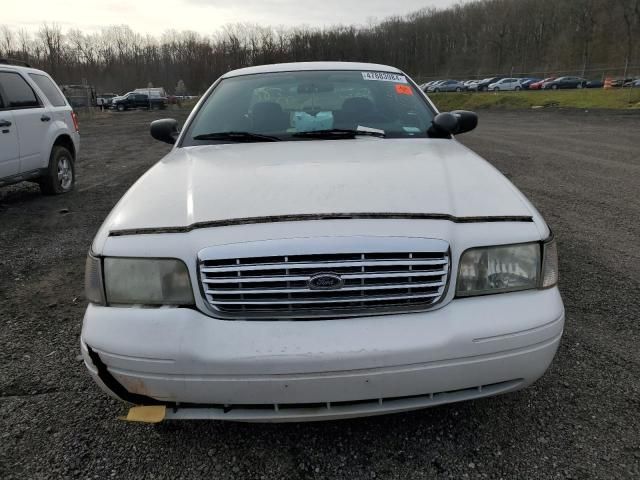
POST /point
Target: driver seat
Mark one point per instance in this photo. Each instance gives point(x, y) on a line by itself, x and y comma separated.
point(354, 111)
point(269, 117)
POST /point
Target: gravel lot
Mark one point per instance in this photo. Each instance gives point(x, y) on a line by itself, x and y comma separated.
point(581, 420)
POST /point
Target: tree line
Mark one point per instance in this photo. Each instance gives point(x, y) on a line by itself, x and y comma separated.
point(470, 40)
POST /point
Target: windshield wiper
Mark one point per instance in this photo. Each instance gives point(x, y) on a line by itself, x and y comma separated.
point(336, 133)
point(237, 137)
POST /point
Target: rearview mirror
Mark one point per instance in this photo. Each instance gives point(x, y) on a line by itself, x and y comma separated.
point(453, 123)
point(165, 130)
point(315, 87)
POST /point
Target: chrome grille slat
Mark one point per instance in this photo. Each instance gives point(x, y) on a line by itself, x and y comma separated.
point(377, 279)
point(325, 300)
point(346, 276)
point(290, 266)
point(384, 286)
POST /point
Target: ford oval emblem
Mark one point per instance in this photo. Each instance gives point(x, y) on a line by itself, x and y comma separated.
point(325, 281)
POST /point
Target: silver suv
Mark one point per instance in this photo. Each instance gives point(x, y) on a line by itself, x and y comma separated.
point(39, 139)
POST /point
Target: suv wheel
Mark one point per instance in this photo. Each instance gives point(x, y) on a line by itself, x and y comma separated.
point(60, 176)
point(120, 107)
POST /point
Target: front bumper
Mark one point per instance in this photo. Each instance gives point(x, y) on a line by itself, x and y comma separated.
point(326, 369)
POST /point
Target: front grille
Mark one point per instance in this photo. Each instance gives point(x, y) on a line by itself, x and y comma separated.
point(277, 286)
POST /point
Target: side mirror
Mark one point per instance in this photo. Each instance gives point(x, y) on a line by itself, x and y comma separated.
point(467, 121)
point(165, 130)
point(452, 123)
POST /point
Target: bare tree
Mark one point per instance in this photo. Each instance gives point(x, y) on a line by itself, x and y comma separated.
point(6, 41)
point(631, 18)
point(480, 38)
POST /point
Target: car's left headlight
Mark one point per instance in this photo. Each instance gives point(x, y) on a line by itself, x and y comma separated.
point(507, 268)
point(138, 281)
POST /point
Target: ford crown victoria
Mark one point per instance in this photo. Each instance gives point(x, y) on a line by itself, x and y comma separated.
point(318, 245)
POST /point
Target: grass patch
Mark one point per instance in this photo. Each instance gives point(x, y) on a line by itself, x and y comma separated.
point(583, 98)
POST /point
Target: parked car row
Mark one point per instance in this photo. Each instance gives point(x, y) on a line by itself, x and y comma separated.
point(496, 84)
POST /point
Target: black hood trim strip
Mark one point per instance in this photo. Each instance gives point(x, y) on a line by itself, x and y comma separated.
point(319, 216)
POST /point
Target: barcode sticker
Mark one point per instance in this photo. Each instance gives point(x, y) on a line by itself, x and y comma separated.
point(384, 77)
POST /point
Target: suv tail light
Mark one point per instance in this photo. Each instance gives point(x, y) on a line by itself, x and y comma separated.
point(74, 117)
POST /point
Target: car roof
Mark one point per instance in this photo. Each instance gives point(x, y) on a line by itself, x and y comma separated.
point(20, 68)
point(310, 66)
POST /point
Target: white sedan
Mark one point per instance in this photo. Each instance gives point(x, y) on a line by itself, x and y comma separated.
point(506, 84)
point(318, 245)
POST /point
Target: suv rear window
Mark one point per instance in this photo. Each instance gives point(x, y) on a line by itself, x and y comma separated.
point(18, 92)
point(49, 89)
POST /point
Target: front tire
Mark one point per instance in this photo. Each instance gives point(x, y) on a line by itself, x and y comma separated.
point(120, 108)
point(554, 87)
point(579, 85)
point(518, 89)
point(458, 89)
point(61, 174)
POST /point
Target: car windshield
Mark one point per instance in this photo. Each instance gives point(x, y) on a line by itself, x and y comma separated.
point(304, 105)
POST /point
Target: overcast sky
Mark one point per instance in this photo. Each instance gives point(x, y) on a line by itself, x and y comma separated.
point(203, 16)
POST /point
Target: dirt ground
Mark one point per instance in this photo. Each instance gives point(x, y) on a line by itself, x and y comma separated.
point(581, 420)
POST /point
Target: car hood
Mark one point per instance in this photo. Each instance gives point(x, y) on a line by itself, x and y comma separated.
point(215, 183)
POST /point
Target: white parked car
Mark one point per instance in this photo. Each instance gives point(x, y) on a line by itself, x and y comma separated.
point(39, 139)
point(470, 84)
point(318, 245)
point(506, 84)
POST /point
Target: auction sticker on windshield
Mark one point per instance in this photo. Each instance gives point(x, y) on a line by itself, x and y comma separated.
point(404, 90)
point(384, 77)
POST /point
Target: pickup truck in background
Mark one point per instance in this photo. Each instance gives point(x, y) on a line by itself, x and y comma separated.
point(138, 100)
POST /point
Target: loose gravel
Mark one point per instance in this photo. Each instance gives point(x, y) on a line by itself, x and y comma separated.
point(581, 420)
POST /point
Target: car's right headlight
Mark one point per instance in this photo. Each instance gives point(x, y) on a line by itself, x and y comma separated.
point(138, 281)
point(507, 268)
